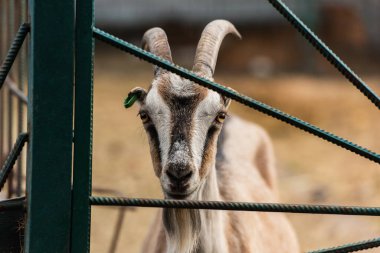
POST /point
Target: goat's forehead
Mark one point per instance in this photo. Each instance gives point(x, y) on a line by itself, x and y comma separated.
point(172, 88)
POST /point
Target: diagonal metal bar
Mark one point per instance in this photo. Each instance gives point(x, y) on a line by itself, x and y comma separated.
point(318, 44)
point(12, 52)
point(250, 102)
point(352, 247)
point(12, 157)
point(236, 206)
point(15, 90)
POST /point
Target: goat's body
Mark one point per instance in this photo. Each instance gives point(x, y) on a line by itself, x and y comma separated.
point(244, 172)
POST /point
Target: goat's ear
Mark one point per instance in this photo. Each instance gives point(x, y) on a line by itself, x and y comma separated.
point(136, 94)
point(226, 101)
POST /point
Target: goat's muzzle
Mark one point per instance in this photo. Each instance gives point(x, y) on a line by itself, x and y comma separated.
point(179, 175)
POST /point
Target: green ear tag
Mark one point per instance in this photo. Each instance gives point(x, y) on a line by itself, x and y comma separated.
point(130, 100)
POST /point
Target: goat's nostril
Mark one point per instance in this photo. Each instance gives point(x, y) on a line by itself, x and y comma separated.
point(179, 175)
point(187, 176)
point(171, 175)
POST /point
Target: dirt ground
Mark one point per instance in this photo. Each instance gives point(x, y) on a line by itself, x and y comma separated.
point(311, 171)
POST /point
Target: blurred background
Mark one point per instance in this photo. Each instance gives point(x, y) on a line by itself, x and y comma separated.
point(273, 64)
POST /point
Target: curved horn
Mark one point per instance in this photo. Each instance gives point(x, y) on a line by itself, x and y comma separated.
point(156, 42)
point(209, 44)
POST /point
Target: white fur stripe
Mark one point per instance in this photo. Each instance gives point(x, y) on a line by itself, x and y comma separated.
point(203, 118)
point(160, 115)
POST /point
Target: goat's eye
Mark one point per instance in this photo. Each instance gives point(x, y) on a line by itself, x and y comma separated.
point(144, 117)
point(221, 117)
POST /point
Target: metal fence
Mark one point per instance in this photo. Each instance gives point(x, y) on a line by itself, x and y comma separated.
point(58, 182)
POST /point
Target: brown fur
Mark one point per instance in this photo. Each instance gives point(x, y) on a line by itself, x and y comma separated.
point(154, 147)
point(209, 153)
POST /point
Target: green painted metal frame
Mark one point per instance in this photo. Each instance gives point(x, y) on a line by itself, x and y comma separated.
point(50, 121)
point(81, 208)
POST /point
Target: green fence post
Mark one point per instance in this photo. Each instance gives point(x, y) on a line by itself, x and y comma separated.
point(81, 219)
point(50, 126)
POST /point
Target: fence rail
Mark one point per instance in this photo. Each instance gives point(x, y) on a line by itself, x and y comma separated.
point(352, 247)
point(12, 157)
point(236, 206)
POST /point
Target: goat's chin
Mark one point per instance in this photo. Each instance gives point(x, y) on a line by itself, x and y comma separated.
point(176, 196)
point(187, 195)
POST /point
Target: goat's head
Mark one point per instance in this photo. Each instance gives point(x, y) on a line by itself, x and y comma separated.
point(181, 118)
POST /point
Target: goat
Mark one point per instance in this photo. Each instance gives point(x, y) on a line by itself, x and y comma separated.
point(195, 158)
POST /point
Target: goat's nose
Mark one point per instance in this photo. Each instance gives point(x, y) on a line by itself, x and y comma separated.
point(179, 173)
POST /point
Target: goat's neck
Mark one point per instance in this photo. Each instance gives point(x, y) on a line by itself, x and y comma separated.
point(197, 231)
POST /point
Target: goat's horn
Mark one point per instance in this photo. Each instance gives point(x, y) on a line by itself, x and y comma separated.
point(156, 41)
point(209, 44)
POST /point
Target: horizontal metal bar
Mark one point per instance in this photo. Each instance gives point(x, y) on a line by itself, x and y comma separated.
point(12, 204)
point(107, 191)
point(250, 102)
point(12, 157)
point(15, 90)
point(318, 44)
point(352, 247)
point(12, 52)
point(118, 194)
point(120, 216)
point(236, 206)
